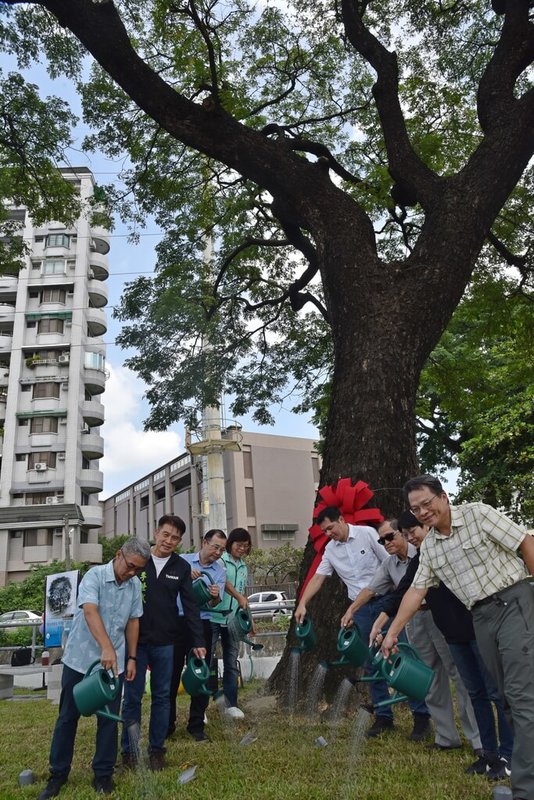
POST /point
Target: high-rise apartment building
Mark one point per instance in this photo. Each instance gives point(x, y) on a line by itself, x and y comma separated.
point(52, 375)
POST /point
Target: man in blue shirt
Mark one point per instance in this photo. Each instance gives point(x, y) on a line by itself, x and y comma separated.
point(107, 618)
point(205, 566)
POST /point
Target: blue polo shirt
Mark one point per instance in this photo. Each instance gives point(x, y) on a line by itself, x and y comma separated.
point(117, 603)
point(216, 571)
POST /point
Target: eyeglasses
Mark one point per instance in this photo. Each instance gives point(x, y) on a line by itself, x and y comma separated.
point(219, 548)
point(423, 506)
point(131, 567)
point(387, 538)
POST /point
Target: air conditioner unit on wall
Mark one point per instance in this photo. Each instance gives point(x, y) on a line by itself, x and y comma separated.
point(52, 501)
point(41, 466)
point(64, 359)
point(61, 456)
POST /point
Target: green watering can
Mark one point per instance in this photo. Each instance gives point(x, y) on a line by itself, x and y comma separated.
point(196, 676)
point(95, 691)
point(201, 591)
point(352, 648)
point(305, 635)
point(407, 673)
point(404, 671)
point(241, 625)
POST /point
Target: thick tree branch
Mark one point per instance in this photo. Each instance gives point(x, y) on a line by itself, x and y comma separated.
point(404, 163)
point(513, 54)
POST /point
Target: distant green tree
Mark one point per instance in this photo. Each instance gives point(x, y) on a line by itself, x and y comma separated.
point(476, 398)
point(275, 565)
point(110, 546)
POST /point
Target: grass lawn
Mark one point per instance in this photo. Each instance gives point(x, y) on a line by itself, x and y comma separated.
point(284, 763)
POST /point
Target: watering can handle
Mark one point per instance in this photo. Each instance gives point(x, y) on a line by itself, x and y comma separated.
point(207, 575)
point(94, 664)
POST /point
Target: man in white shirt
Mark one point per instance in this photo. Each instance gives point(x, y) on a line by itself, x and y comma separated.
point(354, 554)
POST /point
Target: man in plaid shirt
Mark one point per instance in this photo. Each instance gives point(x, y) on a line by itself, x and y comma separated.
point(473, 549)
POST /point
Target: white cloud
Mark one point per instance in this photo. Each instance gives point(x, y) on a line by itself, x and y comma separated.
point(129, 451)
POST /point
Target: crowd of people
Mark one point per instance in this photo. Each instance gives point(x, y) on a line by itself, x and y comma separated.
point(459, 589)
point(140, 613)
point(451, 580)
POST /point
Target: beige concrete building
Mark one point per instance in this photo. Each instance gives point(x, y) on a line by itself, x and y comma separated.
point(52, 375)
point(270, 486)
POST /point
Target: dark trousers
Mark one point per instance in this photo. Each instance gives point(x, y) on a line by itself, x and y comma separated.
point(199, 704)
point(62, 748)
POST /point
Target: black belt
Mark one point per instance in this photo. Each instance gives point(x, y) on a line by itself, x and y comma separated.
point(496, 596)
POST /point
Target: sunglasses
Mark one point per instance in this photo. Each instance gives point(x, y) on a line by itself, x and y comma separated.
point(387, 538)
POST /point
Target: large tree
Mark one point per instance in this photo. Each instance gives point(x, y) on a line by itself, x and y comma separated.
point(347, 163)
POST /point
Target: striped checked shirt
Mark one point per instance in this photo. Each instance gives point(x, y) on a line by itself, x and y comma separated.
point(477, 559)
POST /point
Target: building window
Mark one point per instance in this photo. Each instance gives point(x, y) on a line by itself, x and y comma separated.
point(95, 361)
point(17, 215)
point(50, 326)
point(42, 458)
point(249, 501)
point(43, 425)
point(53, 266)
point(53, 296)
point(39, 537)
point(86, 464)
point(45, 389)
point(37, 499)
point(84, 499)
point(247, 464)
point(21, 456)
point(57, 240)
point(84, 537)
point(159, 494)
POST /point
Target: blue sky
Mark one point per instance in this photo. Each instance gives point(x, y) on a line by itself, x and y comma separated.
point(131, 452)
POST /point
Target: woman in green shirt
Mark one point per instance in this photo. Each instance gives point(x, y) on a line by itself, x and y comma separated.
point(238, 545)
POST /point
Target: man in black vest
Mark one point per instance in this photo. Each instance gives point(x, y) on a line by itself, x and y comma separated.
point(165, 576)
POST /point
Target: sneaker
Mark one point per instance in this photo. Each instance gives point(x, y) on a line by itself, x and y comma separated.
point(53, 787)
point(499, 769)
point(234, 713)
point(103, 784)
point(422, 728)
point(156, 760)
point(380, 725)
point(478, 767)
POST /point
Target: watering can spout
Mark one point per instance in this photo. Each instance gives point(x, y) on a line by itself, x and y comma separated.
point(105, 712)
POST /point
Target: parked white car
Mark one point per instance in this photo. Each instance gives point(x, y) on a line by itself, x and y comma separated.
point(270, 604)
point(24, 618)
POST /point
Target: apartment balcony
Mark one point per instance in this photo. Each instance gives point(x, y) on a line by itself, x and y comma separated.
point(9, 282)
point(4, 377)
point(93, 517)
point(45, 475)
point(90, 552)
point(7, 312)
point(91, 480)
point(99, 241)
point(98, 267)
point(95, 380)
point(6, 343)
point(38, 553)
point(92, 445)
point(98, 293)
point(92, 412)
point(96, 322)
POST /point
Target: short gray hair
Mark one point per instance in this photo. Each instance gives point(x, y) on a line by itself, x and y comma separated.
point(136, 547)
